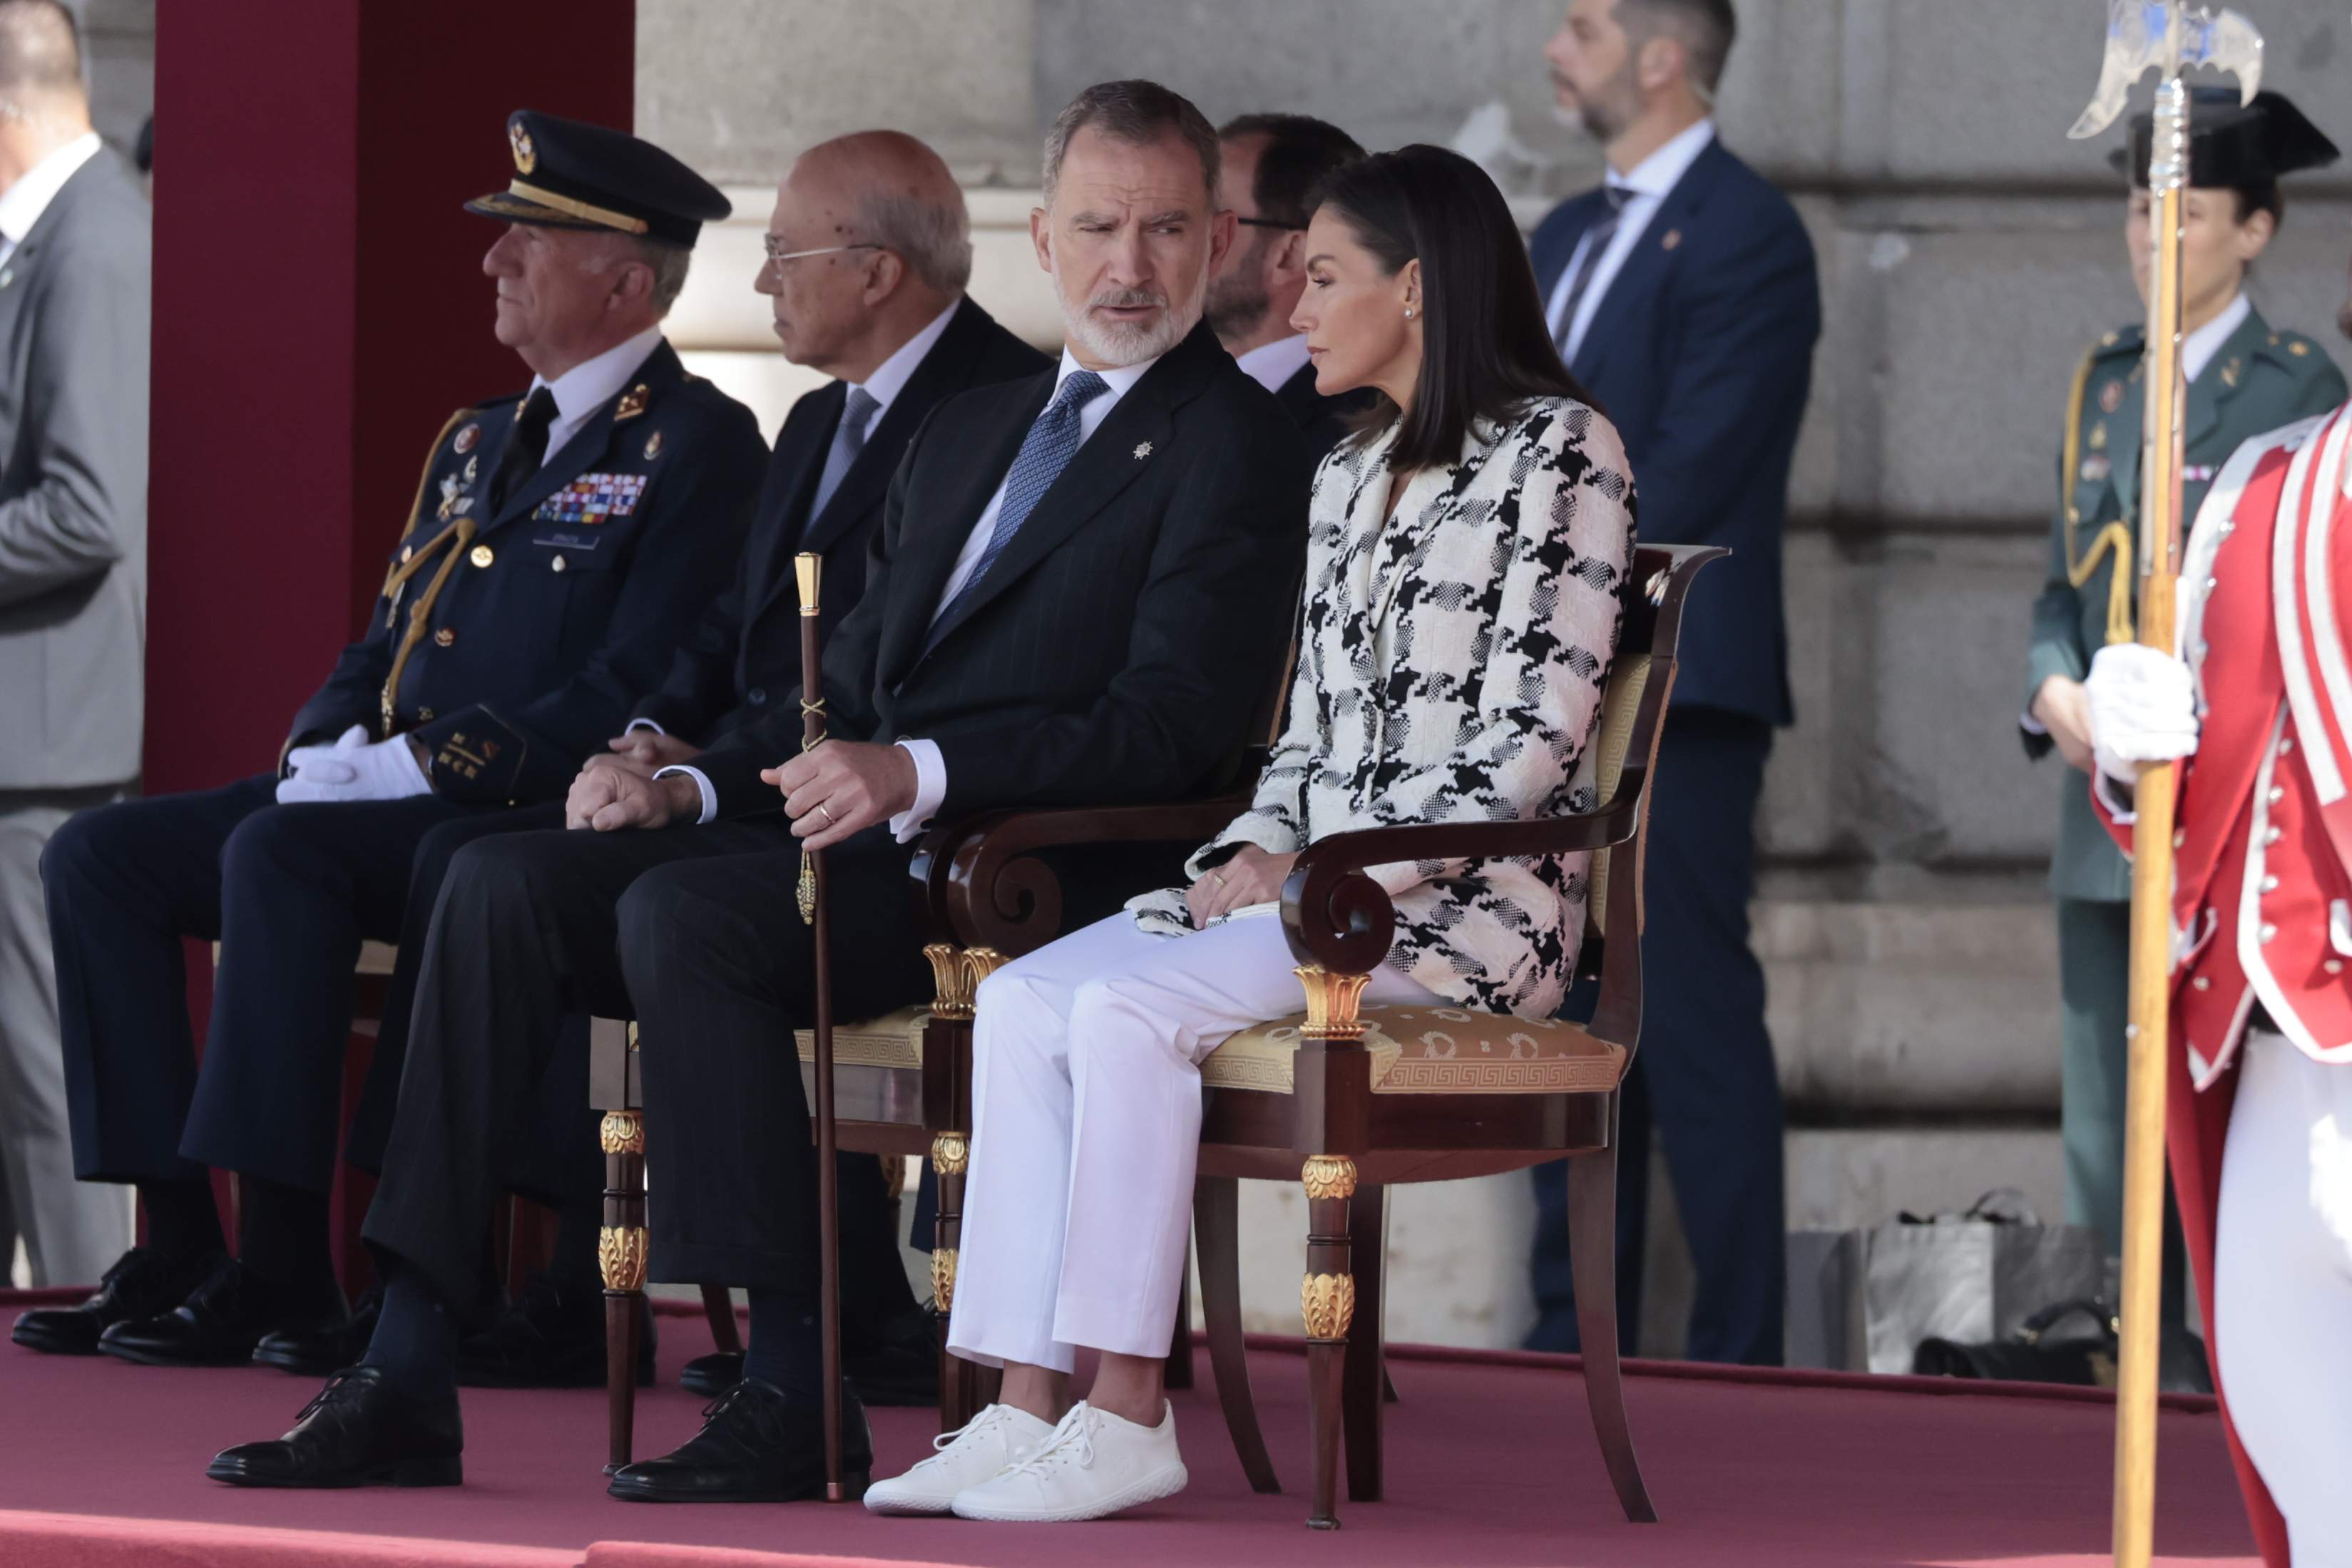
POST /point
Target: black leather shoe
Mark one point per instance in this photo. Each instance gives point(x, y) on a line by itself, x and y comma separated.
point(359, 1432)
point(552, 1337)
point(904, 1369)
point(218, 1325)
point(140, 1285)
point(755, 1446)
point(326, 1344)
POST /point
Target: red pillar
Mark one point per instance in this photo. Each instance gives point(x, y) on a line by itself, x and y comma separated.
point(319, 311)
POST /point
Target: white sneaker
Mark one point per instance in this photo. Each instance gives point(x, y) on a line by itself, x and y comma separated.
point(973, 1453)
point(1095, 1464)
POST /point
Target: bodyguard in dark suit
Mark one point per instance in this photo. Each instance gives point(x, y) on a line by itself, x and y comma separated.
point(557, 550)
point(1077, 574)
point(1271, 167)
point(1684, 295)
point(887, 318)
point(73, 583)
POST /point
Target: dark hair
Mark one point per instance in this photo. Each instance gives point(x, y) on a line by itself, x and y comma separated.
point(1706, 28)
point(2252, 199)
point(40, 47)
point(1486, 348)
point(1300, 153)
point(1138, 113)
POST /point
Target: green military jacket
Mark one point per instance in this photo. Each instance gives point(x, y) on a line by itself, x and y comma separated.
point(2257, 381)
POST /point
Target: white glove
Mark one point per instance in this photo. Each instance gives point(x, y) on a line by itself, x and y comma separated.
point(2143, 709)
point(353, 770)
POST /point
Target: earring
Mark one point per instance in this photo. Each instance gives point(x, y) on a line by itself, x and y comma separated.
point(1408, 313)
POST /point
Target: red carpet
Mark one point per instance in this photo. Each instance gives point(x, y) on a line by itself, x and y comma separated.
point(1491, 1462)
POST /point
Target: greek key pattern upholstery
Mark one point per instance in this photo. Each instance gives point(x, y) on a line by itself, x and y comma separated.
point(894, 1040)
point(1421, 1049)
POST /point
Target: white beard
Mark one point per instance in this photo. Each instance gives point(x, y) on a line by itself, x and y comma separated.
point(1120, 343)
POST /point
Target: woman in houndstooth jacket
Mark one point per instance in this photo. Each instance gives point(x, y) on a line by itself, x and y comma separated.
point(1467, 559)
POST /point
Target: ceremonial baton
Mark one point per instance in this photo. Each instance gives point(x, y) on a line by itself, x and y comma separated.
point(809, 568)
point(2168, 36)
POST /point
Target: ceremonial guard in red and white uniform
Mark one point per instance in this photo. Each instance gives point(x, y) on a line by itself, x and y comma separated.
point(2259, 707)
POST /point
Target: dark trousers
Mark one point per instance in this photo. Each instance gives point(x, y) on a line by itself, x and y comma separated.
point(1703, 1071)
point(291, 892)
point(693, 932)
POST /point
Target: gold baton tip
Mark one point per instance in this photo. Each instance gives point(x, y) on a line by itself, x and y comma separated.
point(808, 567)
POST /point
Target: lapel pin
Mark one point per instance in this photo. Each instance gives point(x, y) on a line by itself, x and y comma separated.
point(653, 446)
point(2111, 397)
point(473, 466)
point(2229, 374)
point(2099, 436)
point(1674, 237)
point(1142, 450)
point(449, 497)
point(633, 403)
point(466, 437)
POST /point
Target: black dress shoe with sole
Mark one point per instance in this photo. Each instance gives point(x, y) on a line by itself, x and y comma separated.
point(902, 1370)
point(713, 1375)
point(359, 1432)
point(755, 1446)
point(142, 1283)
point(552, 1337)
point(218, 1325)
point(326, 1346)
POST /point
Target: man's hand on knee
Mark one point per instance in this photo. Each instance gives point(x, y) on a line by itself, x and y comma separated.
point(608, 798)
point(843, 787)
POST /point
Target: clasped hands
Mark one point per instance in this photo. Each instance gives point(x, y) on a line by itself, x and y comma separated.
point(840, 789)
point(2143, 710)
point(1250, 877)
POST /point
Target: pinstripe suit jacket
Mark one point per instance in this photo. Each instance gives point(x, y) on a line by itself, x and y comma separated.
point(1114, 651)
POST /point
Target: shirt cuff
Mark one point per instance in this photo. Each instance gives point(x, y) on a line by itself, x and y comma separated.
point(701, 782)
point(2025, 721)
point(639, 724)
point(931, 788)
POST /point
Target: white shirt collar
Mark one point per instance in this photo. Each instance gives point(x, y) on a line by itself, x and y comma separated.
point(890, 377)
point(1662, 169)
point(588, 385)
point(1271, 365)
point(2197, 350)
point(1121, 380)
point(23, 202)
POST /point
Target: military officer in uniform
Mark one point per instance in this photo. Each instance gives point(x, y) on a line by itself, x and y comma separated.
point(2245, 377)
point(561, 545)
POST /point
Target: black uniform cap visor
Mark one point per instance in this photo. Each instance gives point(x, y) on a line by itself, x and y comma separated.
point(547, 209)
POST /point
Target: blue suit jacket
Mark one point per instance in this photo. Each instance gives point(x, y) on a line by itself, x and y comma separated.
point(1701, 353)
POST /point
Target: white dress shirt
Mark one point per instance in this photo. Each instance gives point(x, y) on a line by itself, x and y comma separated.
point(931, 768)
point(1271, 365)
point(592, 384)
point(23, 202)
point(1649, 183)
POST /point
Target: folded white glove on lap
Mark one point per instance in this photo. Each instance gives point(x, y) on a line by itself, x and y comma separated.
point(353, 768)
point(2143, 709)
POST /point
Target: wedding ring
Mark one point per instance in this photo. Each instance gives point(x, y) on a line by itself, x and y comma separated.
point(828, 815)
point(1220, 880)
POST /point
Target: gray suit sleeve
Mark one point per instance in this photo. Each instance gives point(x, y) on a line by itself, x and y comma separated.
point(82, 442)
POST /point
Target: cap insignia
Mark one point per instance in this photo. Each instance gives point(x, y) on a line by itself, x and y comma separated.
point(632, 403)
point(525, 156)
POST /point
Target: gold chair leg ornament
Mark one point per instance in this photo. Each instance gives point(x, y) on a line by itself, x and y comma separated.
point(951, 1156)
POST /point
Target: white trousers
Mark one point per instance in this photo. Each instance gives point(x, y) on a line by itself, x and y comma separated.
point(2282, 1289)
point(1085, 1106)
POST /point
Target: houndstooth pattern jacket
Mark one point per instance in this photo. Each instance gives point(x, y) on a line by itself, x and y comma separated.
point(1450, 669)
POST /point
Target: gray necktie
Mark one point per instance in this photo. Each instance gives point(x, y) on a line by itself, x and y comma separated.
point(1596, 242)
point(849, 441)
point(1045, 452)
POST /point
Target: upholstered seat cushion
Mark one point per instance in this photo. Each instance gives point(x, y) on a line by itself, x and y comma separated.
point(894, 1040)
point(1424, 1049)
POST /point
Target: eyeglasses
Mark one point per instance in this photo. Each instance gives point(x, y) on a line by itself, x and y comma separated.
point(1270, 224)
point(769, 243)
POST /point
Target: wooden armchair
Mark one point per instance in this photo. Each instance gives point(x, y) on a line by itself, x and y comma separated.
point(1348, 1100)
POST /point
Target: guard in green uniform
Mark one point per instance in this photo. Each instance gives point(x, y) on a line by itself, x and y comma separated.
point(2245, 377)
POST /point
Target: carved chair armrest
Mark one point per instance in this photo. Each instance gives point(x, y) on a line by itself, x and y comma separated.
point(982, 886)
point(1337, 916)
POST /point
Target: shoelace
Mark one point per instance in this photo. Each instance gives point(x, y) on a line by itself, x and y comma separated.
point(331, 1394)
point(991, 1418)
point(1074, 1440)
point(764, 1417)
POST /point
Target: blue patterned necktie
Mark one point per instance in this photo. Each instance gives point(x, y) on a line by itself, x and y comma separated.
point(849, 441)
point(1047, 449)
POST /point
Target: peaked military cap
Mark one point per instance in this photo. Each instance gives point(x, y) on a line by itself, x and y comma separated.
point(570, 175)
point(2233, 147)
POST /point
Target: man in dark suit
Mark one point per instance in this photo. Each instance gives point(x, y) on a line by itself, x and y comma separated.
point(889, 318)
point(73, 582)
point(559, 546)
point(1683, 294)
point(1271, 167)
point(1077, 574)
